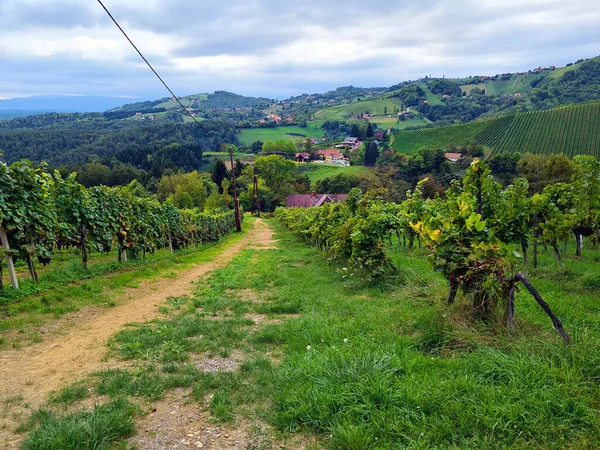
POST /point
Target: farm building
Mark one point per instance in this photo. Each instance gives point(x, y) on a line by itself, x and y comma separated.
point(453, 156)
point(314, 199)
point(301, 158)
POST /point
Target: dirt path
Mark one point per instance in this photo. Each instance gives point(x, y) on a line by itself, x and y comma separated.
point(28, 375)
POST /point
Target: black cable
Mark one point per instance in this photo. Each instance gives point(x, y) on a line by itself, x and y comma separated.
point(151, 68)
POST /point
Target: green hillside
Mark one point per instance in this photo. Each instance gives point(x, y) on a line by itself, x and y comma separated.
point(572, 130)
point(518, 84)
point(521, 83)
point(377, 107)
point(409, 142)
point(383, 110)
point(293, 133)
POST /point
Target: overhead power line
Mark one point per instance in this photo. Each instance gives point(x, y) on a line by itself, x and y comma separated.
point(150, 65)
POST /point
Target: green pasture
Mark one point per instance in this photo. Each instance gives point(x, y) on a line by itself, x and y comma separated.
point(318, 172)
point(249, 135)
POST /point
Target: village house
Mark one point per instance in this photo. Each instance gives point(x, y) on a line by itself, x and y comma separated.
point(314, 199)
point(454, 157)
point(379, 134)
point(301, 158)
point(330, 155)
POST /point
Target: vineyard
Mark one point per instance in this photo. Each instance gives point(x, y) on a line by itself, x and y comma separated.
point(572, 130)
point(40, 212)
point(472, 232)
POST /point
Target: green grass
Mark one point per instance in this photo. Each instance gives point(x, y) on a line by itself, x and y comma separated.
point(67, 287)
point(379, 365)
point(432, 98)
point(318, 172)
point(376, 107)
point(560, 71)
point(517, 84)
point(86, 430)
point(250, 135)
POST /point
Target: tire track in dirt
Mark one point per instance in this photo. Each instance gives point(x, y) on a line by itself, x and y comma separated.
point(31, 373)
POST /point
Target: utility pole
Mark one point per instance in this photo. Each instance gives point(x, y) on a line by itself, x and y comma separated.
point(255, 197)
point(238, 222)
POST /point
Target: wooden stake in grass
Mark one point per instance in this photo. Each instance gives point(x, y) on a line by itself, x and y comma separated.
point(9, 261)
point(538, 298)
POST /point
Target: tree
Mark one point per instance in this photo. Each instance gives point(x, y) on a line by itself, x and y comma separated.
point(369, 134)
point(256, 147)
point(278, 174)
point(504, 166)
point(94, 174)
point(558, 168)
point(371, 153)
point(188, 190)
point(219, 173)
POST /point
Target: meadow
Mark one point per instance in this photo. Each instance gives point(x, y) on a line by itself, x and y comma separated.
point(377, 107)
point(318, 172)
point(249, 135)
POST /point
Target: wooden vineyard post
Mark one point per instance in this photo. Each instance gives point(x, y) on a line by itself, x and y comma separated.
point(538, 298)
point(255, 197)
point(238, 222)
point(9, 261)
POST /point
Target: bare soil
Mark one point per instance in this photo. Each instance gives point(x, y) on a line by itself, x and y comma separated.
point(175, 423)
point(78, 346)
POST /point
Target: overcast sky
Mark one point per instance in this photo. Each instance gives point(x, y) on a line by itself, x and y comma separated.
point(278, 48)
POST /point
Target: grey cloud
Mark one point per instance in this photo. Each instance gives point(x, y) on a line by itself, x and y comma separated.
point(20, 14)
point(403, 40)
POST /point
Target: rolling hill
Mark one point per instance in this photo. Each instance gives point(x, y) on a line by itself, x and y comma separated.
point(383, 109)
point(218, 99)
point(571, 129)
point(521, 83)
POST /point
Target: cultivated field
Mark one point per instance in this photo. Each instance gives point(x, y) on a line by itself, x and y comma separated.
point(572, 130)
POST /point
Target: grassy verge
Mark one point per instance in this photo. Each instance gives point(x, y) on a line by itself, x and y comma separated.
point(379, 366)
point(68, 288)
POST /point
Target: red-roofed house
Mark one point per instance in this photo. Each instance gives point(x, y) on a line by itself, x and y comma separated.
point(309, 200)
point(453, 156)
point(330, 154)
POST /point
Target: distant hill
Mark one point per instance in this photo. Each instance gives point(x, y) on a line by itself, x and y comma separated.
point(520, 83)
point(216, 100)
point(16, 107)
point(445, 101)
point(570, 129)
